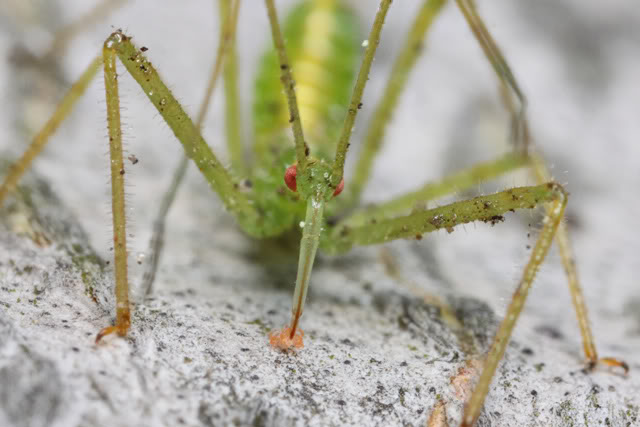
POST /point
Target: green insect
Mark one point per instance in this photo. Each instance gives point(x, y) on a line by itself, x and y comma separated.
point(308, 94)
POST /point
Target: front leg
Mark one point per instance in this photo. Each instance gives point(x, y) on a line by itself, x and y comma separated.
point(237, 202)
point(123, 314)
point(119, 45)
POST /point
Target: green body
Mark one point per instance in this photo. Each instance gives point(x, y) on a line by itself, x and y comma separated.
point(324, 75)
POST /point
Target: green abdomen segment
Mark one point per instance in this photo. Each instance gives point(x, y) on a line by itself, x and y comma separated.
point(322, 43)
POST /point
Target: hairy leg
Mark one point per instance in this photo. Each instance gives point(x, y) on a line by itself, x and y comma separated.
point(233, 118)
point(487, 209)
point(515, 102)
point(42, 137)
point(459, 181)
point(519, 127)
point(226, 52)
point(238, 203)
point(119, 46)
point(555, 212)
point(286, 77)
point(373, 140)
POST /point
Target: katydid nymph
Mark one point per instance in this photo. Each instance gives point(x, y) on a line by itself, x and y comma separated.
point(309, 90)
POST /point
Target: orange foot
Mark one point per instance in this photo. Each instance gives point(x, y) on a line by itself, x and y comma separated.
point(282, 339)
point(121, 330)
point(611, 363)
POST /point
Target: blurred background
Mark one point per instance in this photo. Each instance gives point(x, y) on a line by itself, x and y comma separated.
point(576, 61)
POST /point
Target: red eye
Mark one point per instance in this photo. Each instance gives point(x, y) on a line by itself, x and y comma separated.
point(290, 177)
point(339, 188)
point(290, 180)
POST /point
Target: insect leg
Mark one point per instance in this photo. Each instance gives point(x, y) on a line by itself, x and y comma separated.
point(363, 75)
point(577, 298)
point(552, 220)
point(519, 128)
point(187, 133)
point(509, 87)
point(485, 208)
point(229, 17)
point(42, 137)
point(488, 209)
point(236, 201)
point(233, 116)
point(458, 181)
point(403, 65)
point(302, 151)
point(58, 46)
point(123, 314)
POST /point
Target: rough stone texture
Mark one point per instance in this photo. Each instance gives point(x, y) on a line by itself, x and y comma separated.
point(375, 353)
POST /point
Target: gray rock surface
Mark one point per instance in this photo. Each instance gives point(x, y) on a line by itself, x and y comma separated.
point(375, 353)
